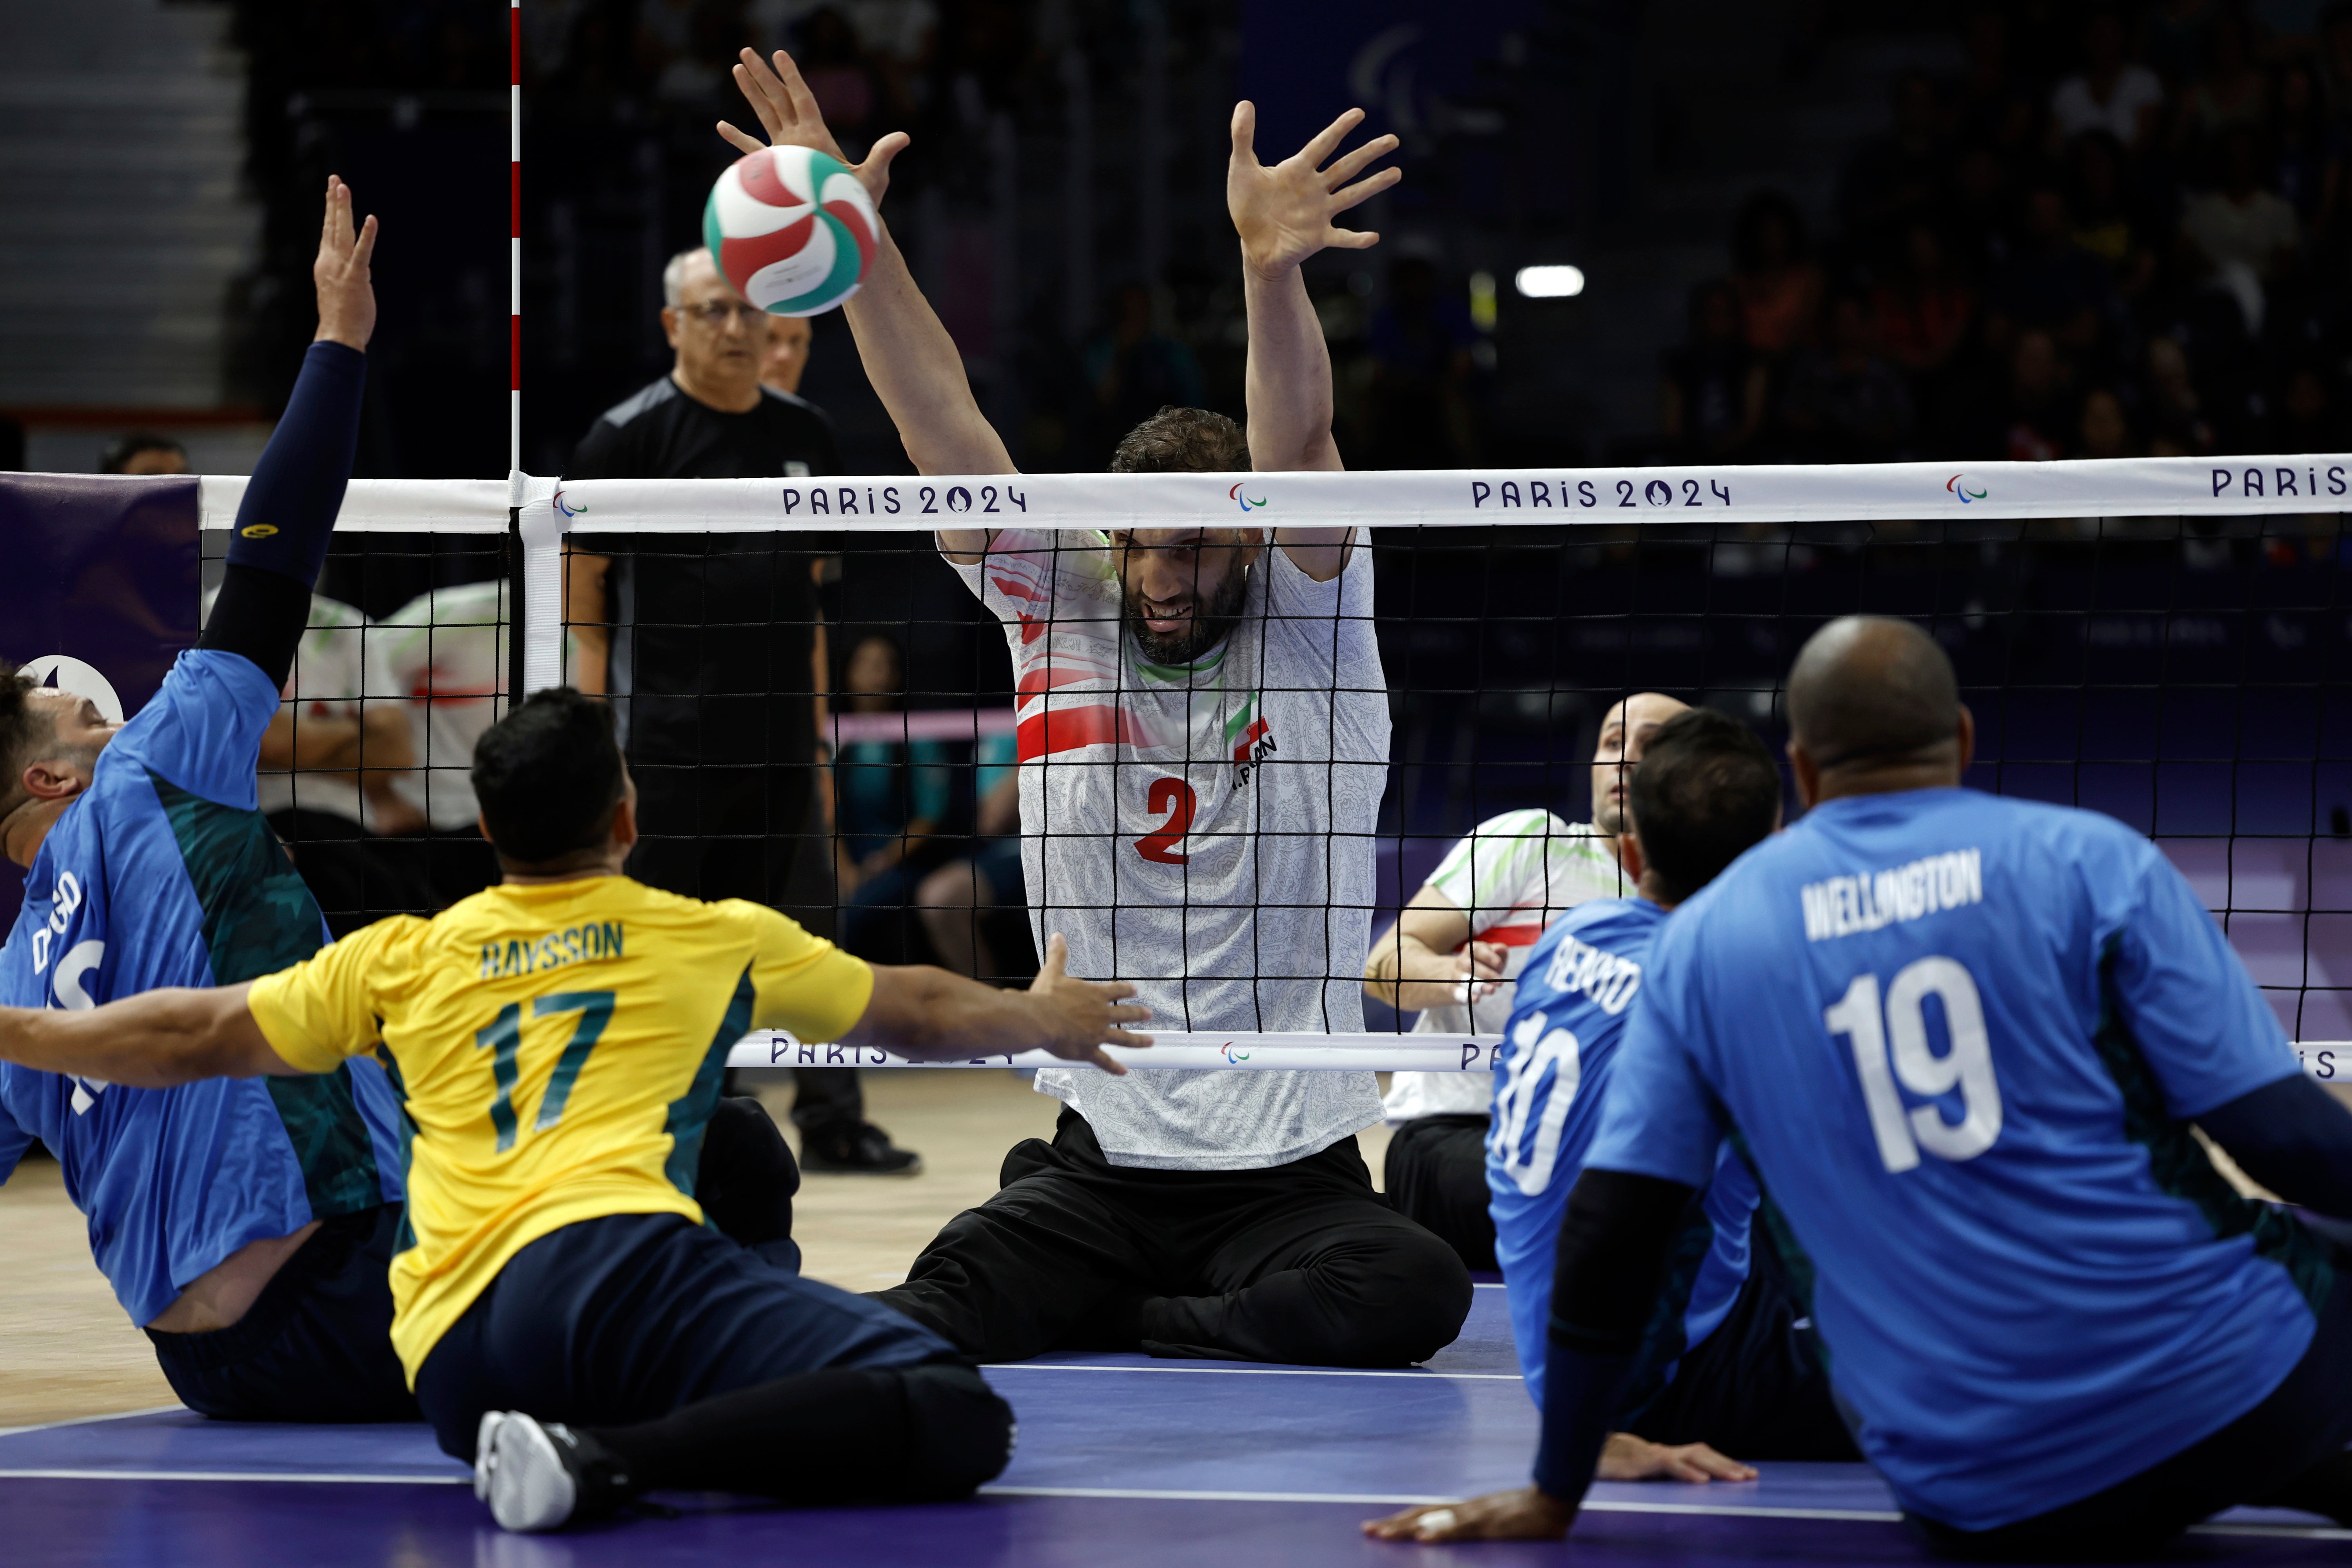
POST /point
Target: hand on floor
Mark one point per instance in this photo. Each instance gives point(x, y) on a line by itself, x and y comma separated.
point(1626, 1458)
point(1525, 1514)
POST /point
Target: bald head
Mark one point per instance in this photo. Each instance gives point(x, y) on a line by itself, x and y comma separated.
point(1625, 730)
point(1876, 695)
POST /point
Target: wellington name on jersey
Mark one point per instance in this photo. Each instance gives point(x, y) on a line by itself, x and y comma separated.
point(1963, 1038)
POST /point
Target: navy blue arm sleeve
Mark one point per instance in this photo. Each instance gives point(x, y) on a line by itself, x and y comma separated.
point(1612, 1250)
point(288, 513)
point(2293, 1137)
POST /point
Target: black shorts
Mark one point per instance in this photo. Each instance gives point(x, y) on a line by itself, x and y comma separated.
point(1435, 1173)
point(315, 1346)
point(620, 1319)
point(1754, 1388)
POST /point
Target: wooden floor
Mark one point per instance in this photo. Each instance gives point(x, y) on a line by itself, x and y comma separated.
point(67, 1350)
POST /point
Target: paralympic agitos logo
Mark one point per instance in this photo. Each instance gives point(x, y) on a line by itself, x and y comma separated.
point(1959, 485)
point(1248, 503)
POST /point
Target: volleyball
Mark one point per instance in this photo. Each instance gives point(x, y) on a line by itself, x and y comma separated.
point(793, 228)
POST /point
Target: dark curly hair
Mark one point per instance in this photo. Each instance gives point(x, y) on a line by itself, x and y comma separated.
point(1705, 791)
point(549, 776)
point(21, 731)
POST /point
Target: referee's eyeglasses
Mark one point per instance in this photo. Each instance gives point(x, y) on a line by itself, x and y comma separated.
point(716, 314)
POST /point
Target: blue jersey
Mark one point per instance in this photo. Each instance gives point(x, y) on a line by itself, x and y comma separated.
point(1961, 1038)
point(1557, 1053)
point(163, 873)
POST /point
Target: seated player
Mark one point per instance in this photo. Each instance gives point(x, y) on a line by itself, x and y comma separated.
point(1962, 1040)
point(1455, 954)
point(1724, 1365)
point(246, 1226)
point(1205, 741)
point(569, 1323)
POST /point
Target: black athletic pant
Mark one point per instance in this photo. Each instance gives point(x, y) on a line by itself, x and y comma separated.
point(1435, 1173)
point(2289, 1451)
point(315, 1345)
point(1756, 1388)
point(1299, 1263)
point(704, 1363)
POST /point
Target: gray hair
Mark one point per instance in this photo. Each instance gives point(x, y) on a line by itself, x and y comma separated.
point(674, 275)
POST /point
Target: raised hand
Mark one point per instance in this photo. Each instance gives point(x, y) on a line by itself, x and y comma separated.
point(346, 288)
point(1084, 1013)
point(789, 114)
point(1284, 213)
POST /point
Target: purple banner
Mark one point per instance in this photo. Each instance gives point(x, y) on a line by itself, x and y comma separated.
point(99, 593)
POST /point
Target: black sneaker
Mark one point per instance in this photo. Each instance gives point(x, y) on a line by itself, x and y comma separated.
point(867, 1152)
point(543, 1475)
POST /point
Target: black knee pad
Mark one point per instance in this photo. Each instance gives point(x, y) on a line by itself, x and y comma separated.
point(963, 1431)
point(746, 1175)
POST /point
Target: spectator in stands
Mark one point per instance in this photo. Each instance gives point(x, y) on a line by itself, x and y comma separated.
point(144, 452)
point(1925, 308)
point(1715, 398)
point(846, 86)
point(2229, 91)
point(1844, 402)
point(2176, 416)
point(2038, 421)
point(2104, 429)
point(446, 651)
point(2180, 36)
point(1991, 101)
point(714, 672)
point(1779, 287)
point(2308, 420)
point(892, 794)
point(2240, 238)
point(2051, 284)
point(1982, 215)
point(974, 908)
point(2302, 151)
point(1135, 369)
point(2110, 93)
point(2103, 221)
point(1420, 342)
point(330, 762)
point(1899, 178)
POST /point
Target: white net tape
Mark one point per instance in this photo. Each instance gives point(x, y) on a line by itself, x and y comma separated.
point(546, 508)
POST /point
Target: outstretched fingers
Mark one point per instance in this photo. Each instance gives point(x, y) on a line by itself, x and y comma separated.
point(1364, 190)
point(335, 228)
point(738, 140)
point(1329, 138)
point(363, 251)
point(1348, 167)
point(765, 92)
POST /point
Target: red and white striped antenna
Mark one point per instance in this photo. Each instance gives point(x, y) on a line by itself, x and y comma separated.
point(514, 237)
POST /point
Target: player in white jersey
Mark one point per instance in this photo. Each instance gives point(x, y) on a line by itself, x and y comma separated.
point(1454, 955)
point(1203, 743)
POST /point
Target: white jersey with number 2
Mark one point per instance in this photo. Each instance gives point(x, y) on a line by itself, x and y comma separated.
point(1203, 831)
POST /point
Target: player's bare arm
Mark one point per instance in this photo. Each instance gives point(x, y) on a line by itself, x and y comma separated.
point(931, 1015)
point(1427, 959)
point(914, 364)
point(1284, 215)
point(152, 1040)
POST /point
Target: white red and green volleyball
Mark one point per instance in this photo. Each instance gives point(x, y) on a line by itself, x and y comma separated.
point(793, 229)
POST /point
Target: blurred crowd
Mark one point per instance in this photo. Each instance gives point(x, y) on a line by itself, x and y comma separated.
point(2119, 231)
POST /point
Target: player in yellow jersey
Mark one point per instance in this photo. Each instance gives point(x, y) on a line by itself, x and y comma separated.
point(568, 1319)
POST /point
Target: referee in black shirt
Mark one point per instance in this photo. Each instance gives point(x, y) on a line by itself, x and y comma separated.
point(709, 644)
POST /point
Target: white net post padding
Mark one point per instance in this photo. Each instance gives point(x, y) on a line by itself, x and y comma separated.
point(545, 510)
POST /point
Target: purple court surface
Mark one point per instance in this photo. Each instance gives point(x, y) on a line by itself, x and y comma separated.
point(1123, 1461)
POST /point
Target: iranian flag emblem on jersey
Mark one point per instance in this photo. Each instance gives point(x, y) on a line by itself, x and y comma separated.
point(1248, 737)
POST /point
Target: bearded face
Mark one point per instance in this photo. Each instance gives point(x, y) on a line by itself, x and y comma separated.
point(1180, 603)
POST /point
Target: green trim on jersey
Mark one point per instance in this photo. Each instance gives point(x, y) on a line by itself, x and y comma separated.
point(2183, 1170)
point(408, 1236)
point(260, 918)
point(1176, 674)
point(690, 1114)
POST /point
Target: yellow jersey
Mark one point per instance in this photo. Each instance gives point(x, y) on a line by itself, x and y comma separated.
point(557, 1048)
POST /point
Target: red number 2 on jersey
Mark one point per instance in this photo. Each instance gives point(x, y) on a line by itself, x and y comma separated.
point(1175, 797)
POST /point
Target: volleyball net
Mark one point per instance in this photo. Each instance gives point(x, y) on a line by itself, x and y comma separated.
point(821, 715)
